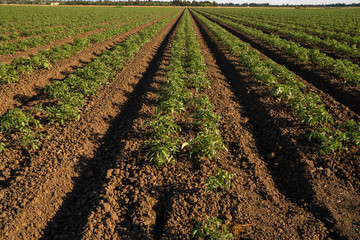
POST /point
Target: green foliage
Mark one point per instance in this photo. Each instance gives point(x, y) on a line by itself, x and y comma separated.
point(328, 141)
point(8, 74)
point(162, 151)
point(206, 119)
point(211, 229)
point(185, 71)
point(308, 106)
point(352, 130)
point(172, 105)
point(16, 120)
point(220, 182)
point(40, 62)
point(63, 113)
point(201, 102)
point(284, 91)
point(333, 140)
point(344, 68)
point(162, 125)
point(2, 147)
point(207, 143)
point(310, 109)
point(43, 60)
point(71, 92)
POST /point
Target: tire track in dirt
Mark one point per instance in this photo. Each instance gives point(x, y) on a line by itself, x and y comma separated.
point(330, 84)
point(30, 88)
point(292, 167)
point(36, 196)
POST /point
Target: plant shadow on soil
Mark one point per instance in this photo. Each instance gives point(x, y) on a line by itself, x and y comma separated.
point(71, 218)
point(290, 174)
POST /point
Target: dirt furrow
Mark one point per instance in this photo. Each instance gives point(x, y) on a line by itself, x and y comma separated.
point(31, 87)
point(142, 202)
point(44, 189)
point(131, 195)
point(345, 94)
point(308, 180)
point(15, 161)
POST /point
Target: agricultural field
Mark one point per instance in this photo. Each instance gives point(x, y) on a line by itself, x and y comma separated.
point(179, 123)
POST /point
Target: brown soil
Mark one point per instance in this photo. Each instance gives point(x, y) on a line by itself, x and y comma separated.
point(346, 94)
point(31, 87)
point(90, 180)
point(310, 181)
point(51, 176)
point(328, 51)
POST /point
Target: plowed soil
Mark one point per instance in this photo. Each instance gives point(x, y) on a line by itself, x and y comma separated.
point(31, 87)
point(91, 180)
point(346, 94)
point(328, 51)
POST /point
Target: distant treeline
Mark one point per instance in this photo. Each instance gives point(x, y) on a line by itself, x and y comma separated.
point(169, 3)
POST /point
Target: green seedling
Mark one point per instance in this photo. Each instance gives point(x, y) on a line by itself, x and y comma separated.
point(62, 113)
point(162, 125)
point(310, 109)
point(201, 101)
point(16, 120)
point(352, 130)
point(2, 147)
point(220, 182)
point(8, 74)
point(206, 119)
point(328, 141)
point(172, 106)
point(211, 229)
point(162, 151)
point(206, 144)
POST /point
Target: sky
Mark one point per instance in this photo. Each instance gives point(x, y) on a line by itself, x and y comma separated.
point(294, 2)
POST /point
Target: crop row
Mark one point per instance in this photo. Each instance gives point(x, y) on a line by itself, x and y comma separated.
point(25, 44)
point(185, 72)
point(342, 47)
point(28, 20)
point(318, 32)
point(181, 95)
point(340, 67)
point(285, 86)
point(276, 23)
point(75, 28)
point(69, 95)
point(12, 72)
point(335, 20)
